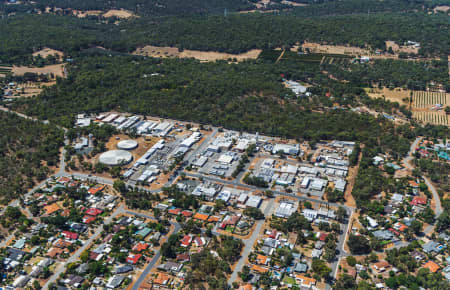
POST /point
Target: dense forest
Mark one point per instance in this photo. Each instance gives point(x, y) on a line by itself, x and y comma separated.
point(27, 149)
point(151, 7)
point(365, 6)
point(413, 75)
point(22, 35)
point(310, 8)
point(244, 96)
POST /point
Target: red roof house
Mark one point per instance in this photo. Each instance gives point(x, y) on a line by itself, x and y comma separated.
point(95, 189)
point(186, 241)
point(133, 259)
point(94, 211)
point(70, 235)
point(186, 213)
point(184, 257)
point(394, 231)
point(175, 211)
point(199, 242)
point(414, 184)
point(93, 255)
point(140, 247)
point(323, 236)
point(273, 234)
point(419, 200)
point(63, 180)
point(87, 219)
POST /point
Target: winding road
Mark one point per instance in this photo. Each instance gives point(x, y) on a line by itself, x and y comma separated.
point(407, 162)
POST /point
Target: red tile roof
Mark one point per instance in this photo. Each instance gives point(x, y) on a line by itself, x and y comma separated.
point(200, 216)
point(432, 266)
point(183, 257)
point(419, 200)
point(186, 241)
point(87, 219)
point(95, 189)
point(200, 242)
point(93, 211)
point(273, 234)
point(133, 259)
point(394, 231)
point(140, 247)
point(175, 211)
point(412, 183)
point(63, 179)
point(186, 213)
point(323, 236)
point(70, 235)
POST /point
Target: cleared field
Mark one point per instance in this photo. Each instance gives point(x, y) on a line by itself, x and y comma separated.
point(397, 48)
point(119, 13)
point(83, 14)
point(56, 69)
point(164, 52)
point(358, 51)
point(335, 49)
point(442, 8)
point(395, 95)
point(48, 51)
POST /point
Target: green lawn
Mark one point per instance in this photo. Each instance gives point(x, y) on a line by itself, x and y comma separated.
point(289, 280)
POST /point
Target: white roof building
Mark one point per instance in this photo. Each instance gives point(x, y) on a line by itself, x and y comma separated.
point(340, 185)
point(286, 209)
point(200, 162)
point(225, 158)
point(318, 184)
point(305, 182)
point(242, 145)
point(291, 169)
point(254, 201)
point(310, 214)
point(286, 149)
point(372, 222)
point(224, 195)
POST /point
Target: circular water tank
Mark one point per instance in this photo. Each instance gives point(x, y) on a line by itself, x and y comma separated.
point(115, 157)
point(127, 145)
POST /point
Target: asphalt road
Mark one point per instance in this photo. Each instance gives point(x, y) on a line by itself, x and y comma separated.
point(249, 244)
point(251, 187)
point(152, 264)
point(78, 252)
point(407, 162)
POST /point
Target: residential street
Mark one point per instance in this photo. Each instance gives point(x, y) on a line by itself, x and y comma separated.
point(250, 242)
point(407, 162)
point(85, 246)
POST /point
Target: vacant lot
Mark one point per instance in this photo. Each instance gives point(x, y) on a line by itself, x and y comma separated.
point(119, 13)
point(83, 14)
point(56, 69)
point(398, 49)
point(396, 95)
point(443, 8)
point(358, 51)
point(156, 51)
point(335, 49)
point(48, 51)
